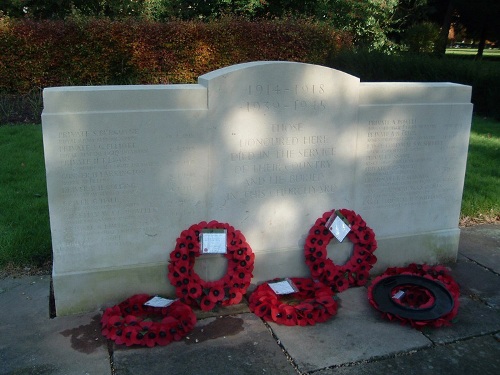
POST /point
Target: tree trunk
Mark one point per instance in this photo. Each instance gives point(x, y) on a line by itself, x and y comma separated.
point(482, 43)
point(440, 48)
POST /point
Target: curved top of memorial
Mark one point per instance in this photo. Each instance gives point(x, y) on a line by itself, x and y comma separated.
point(258, 69)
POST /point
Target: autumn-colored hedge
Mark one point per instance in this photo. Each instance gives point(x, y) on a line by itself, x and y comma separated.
point(35, 55)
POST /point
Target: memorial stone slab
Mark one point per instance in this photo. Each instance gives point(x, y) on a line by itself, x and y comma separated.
point(265, 146)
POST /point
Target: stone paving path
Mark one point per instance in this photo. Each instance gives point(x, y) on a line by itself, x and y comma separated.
point(355, 341)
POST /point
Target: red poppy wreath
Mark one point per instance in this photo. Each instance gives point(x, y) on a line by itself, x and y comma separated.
point(420, 295)
point(355, 271)
point(133, 323)
point(313, 303)
point(228, 290)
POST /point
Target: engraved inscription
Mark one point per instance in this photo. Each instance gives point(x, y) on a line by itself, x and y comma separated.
point(291, 162)
point(100, 170)
point(298, 97)
point(405, 163)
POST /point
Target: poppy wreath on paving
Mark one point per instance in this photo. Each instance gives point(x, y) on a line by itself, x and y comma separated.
point(313, 303)
point(356, 270)
point(195, 291)
point(133, 323)
point(415, 299)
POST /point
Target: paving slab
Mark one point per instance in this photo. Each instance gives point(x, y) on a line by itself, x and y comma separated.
point(482, 244)
point(32, 343)
point(480, 355)
point(239, 344)
point(356, 333)
point(474, 318)
point(477, 281)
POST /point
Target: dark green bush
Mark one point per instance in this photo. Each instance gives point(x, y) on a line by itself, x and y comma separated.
point(483, 76)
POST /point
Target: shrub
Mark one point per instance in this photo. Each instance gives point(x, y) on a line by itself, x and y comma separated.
point(100, 51)
point(421, 37)
point(39, 54)
point(378, 67)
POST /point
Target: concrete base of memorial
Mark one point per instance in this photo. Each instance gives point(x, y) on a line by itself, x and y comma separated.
point(117, 284)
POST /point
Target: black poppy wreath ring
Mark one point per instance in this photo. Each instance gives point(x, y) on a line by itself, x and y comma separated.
point(355, 271)
point(133, 323)
point(312, 303)
point(419, 294)
point(228, 290)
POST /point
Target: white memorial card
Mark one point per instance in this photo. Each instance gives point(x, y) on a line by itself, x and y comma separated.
point(337, 225)
point(213, 241)
point(398, 295)
point(159, 302)
point(283, 287)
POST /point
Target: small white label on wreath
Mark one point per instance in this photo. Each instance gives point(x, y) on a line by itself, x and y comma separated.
point(337, 225)
point(213, 241)
point(159, 302)
point(398, 295)
point(283, 287)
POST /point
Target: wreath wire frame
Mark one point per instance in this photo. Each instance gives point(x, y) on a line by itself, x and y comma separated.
point(355, 271)
point(133, 323)
point(421, 298)
point(206, 295)
point(313, 303)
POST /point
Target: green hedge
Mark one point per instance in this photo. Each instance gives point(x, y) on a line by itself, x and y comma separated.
point(41, 54)
point(483, 76)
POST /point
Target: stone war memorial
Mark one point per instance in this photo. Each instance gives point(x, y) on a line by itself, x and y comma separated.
point(267, 147)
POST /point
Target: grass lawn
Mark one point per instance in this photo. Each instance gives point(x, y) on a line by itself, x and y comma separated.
point(473, 52)
point(24, 219)
point(481, 198)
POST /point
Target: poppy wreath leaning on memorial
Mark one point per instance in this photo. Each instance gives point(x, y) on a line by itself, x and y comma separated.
point(356, 270)
point(133, 323)
point(313, 303)
point(419, 295)
point(189, 286)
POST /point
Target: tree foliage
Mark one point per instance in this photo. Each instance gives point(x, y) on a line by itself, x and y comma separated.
point(378, 25)
point(481, 18)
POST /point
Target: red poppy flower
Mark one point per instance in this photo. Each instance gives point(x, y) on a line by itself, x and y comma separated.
point(366, 236)
point(312, 316)
point(179, 255)
point(277, 315)
point(361, 277)
point(340, 283)
point(129, 336)
point(328, 303)
point(207, 304)
point(234, 297)
point(261, 308)
point(234, 240)
point(240, 254)
point(304, 310)
point(289, 315)
point(163, 337)
point(243, 277)
point(216, 294)
point(151, 336)
point(183, 313)
point(176, 332)
point(194, 290)
point(115, 332)
point(108, 313)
